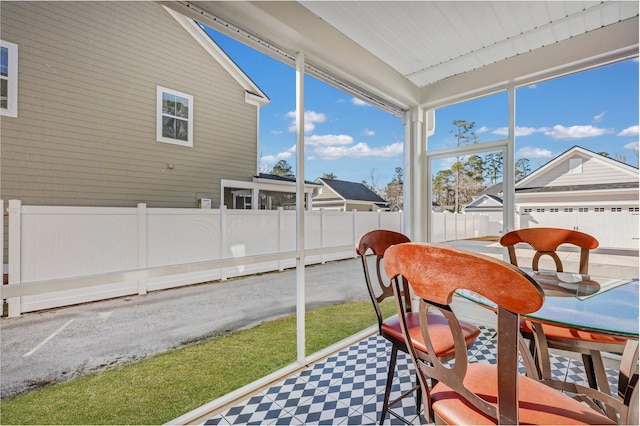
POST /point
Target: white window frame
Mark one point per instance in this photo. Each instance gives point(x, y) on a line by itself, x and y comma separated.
point(159, 115)
point(12, 80)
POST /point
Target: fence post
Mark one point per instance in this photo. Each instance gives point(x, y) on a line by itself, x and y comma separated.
point(223, 240)
point(355, 235)
point(142, 245)
point(15, 260)
point(280, 230)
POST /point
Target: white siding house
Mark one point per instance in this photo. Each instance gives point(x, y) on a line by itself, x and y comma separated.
point(579, 190)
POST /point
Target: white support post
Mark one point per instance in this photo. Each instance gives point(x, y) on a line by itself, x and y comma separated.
point(255, 199)
point(15, 260)
point(300, 244)
point(322, 261)
point(142, 245)
point(409, 176)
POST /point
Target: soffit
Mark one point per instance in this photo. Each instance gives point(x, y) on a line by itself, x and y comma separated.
point(402, 54)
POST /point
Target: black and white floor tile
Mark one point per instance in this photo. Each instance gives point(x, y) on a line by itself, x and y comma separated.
point(348, 388)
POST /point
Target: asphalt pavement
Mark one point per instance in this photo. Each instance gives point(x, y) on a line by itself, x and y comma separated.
point(44, 347)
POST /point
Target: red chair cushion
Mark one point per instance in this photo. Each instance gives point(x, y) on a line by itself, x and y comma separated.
point(560, 332)
point(539, 404)
point(441, 336)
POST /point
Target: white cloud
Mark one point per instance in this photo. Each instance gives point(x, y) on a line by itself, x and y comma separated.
point(599, 117)
point(629, 131)
point(574, 132)
point(633, 146)
point(520, 131)
point(277, 132)
point(310, 120)
point(358, 150)
point(368, 132)
point(532, 86)
point(268, 161)
point(532, 152)
point(359, 102)
point(483, 129)
point(328, 140)
point(333, 147)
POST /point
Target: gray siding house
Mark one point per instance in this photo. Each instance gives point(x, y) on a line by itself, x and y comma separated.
point(119, 103)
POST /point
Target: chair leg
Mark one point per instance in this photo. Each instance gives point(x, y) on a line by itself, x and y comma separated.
point(387, 390)
point(588, 368)
point(418, 395)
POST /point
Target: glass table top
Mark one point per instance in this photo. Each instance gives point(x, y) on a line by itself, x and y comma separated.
point(584, 302)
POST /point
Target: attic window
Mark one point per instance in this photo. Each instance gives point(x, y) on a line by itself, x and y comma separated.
point(8, 79)
point(575, 166)
point(174, 117)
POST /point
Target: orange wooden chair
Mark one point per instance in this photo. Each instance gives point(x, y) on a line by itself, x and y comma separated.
point(480, 393)
point(377, 242)
point(545, 242)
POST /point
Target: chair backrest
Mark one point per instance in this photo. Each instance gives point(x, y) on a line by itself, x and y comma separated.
point(377, 242)
point(545, 242)
point(434, 273)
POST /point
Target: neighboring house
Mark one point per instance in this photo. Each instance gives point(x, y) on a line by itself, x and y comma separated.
point(579, 180)
point(266, 192)
point(490, 205)
point(120, 103)
point(579, 189)
point(346, 196)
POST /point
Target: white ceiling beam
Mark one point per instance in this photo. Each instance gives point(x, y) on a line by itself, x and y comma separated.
point(604, 45)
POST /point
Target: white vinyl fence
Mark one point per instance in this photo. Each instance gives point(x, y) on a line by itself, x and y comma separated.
point(617, 230)
point(447, 226)
point(59, 256)
point(108, 246)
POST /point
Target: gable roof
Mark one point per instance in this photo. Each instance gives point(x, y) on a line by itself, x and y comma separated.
point(625, 170)
point(484, 202)
point(253, 93)
point(352, 191)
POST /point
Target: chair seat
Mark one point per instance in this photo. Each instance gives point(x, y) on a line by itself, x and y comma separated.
point(441, 336)
point(560, 332)
point(538, 403)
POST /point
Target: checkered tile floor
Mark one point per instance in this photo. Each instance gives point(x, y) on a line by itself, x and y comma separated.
point(348, 388)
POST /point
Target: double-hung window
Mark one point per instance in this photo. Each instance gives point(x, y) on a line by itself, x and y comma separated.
point(8, 79)
point(174, 117)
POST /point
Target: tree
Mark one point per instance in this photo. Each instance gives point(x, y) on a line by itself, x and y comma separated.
point(494, 163)
point(522, 168)
point(464, 136)
point(393, 191)
point(374, 183)
point(282, 168)
point(329, 176)
point(443, 187)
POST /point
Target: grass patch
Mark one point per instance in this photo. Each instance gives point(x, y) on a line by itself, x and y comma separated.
point(163, 387)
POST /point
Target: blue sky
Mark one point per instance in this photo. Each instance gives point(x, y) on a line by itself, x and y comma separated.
point(597, 110)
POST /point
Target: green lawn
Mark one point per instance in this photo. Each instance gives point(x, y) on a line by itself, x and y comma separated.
point(161, 388)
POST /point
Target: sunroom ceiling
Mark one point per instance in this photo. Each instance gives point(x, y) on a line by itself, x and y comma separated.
point(399, 54)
